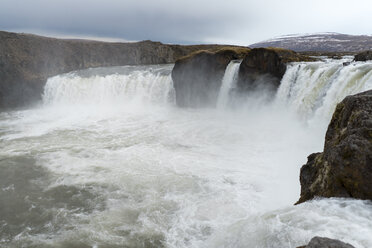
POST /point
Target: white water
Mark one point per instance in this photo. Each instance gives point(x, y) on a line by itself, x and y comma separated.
point(141, 86)
point(228, 82)
point(153, 175)
point(314, 89)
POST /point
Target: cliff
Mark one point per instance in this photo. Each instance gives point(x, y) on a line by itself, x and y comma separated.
point(197, 77)
point(26, 61)
point(263, 68)
point(344, 168)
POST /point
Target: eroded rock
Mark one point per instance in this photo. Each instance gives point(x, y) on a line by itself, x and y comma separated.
point(363, 56)
point(197, 78)
point(319, 242)
point(263, 68)
point(344, 168)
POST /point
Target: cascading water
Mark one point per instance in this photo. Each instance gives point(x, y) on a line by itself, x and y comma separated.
point(228, 82)
point(108, 161)
point(153, 85)
point(314, 89)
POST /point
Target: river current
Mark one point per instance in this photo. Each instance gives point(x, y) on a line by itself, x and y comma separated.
point(108, 160)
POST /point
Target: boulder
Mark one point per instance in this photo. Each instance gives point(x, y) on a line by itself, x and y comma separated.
point(265, 67)
point(344, 168)
point(363, 56)
point(197, 78)
point(319, 242)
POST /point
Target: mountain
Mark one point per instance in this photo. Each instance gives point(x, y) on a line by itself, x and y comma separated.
point(320, 42)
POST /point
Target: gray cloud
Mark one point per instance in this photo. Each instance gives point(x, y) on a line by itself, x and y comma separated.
point(192, 21)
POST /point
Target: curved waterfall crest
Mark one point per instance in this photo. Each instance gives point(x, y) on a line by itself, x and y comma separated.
point(313, 89)
point(149, 84)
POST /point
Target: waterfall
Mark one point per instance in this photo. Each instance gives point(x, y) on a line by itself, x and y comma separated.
point(313, 89)
point(105, 162)
point(228, 82)
point(98, 86)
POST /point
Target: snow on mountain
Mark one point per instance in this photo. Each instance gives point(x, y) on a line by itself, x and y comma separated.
point(320, 42)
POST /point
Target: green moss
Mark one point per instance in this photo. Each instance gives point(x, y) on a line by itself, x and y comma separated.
point(239, 51)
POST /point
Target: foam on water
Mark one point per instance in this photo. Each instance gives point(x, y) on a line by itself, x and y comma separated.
point(153, 175)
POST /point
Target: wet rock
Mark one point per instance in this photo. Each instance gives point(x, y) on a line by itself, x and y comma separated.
point(363, 56)
point(319, 242)
point(344, 168)
point(197, 78)
point(265, 67)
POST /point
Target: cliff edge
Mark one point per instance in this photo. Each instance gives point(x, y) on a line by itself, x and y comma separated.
point(344, 168)
point(26, 61)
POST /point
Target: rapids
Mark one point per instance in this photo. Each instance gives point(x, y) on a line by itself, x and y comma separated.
point(108, 160)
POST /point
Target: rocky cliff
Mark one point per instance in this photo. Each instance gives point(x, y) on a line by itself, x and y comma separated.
point(197, 78)
point(344, 168)
point(363, 56)
point(263, 68)
point(26, 61)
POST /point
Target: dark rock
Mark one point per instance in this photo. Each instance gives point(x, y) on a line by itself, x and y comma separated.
point(346, 63)
point(197, 78)
point(363, 56)
point(26, 61)
point(265, 67)
point(344, 168)
point(319, 242)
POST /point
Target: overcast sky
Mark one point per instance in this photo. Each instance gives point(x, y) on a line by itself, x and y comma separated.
point(240, 22)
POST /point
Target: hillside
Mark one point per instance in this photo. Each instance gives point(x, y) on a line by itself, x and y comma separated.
point(320, 42)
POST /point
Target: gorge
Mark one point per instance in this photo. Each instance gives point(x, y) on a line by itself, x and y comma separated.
point(203, 152)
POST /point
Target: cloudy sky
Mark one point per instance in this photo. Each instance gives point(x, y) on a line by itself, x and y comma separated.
point(240, 22)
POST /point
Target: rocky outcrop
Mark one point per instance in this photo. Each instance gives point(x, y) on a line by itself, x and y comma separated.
point(344, 168)
point(263, 68)
point(26, 61)
point(197, 78)
point(319, 242)
point(363, 56)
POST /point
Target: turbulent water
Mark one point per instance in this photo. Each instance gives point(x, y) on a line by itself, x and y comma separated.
point(228, 82)
point(108, 160)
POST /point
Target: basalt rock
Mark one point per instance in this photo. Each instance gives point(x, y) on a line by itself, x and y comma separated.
point(319, 242)
point(263, 68)
point(197, 78)
point(26, 61)
point(363, 56)
point(344, 168)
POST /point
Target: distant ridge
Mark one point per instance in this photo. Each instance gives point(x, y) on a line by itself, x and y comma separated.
point(320, 42)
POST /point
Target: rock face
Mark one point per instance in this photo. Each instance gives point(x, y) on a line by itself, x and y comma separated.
point(197, 78)
point(319, 242)
point(265, 67)
point(26, 61)
point(344, 168)
point(363, 56)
